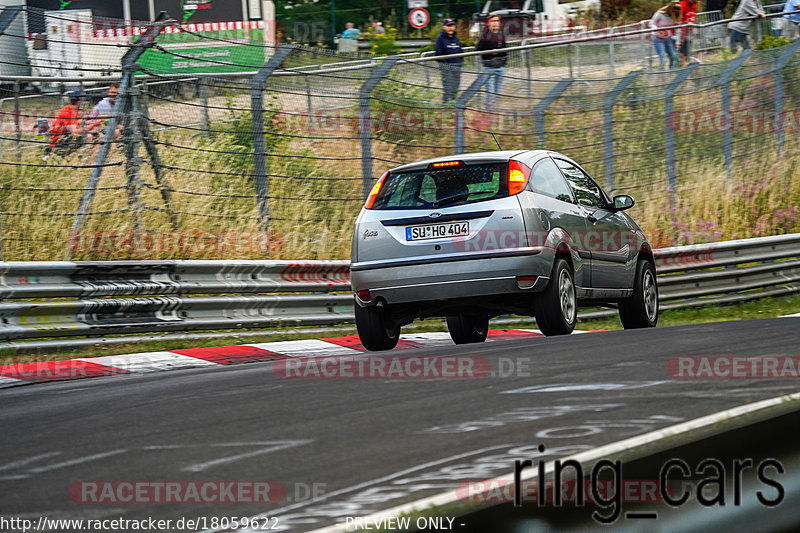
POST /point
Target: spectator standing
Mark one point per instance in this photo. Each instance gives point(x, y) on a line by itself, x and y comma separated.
point(66, 134)
point(494, 64)
point(688, 16)
point(791, 23)
point(377, 28)
point(447, 43)
point(350, 32)
point(102, 111)
point(740, 29)
point(669, 15)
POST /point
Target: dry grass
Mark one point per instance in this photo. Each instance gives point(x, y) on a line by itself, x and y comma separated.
point(315, 192)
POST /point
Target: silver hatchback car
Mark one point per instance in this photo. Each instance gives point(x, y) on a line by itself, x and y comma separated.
point(473, 236)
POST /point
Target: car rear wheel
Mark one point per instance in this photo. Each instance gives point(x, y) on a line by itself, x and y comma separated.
point(641, 309)
point(374, 328)
point(556, 308)
point(466, 329)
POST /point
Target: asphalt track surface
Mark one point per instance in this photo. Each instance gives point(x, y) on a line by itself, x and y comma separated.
point(361, 445)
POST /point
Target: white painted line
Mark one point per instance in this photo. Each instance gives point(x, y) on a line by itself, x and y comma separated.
point(306, 348)
point(432, 338)
point(77, 461)
point(620, 385)
point(199, 467)
point(149, 361)
point(28, 460)
point(608, 450)
point(216, 445)
point(371, 482)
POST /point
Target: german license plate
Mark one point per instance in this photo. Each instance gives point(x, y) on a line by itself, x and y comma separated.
point(437, 231)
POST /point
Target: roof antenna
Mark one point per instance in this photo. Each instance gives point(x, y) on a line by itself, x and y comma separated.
point(495, 140)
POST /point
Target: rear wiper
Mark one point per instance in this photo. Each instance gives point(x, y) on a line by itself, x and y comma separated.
point(453, 199)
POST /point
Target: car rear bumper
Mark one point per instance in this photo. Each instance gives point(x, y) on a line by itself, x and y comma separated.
point(414, 280)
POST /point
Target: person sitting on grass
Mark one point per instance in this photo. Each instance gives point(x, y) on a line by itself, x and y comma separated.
point(66, 135)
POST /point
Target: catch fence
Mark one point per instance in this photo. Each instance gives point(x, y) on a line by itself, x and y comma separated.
point(223, 146)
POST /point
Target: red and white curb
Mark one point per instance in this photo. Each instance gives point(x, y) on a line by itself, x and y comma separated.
point(22, 373)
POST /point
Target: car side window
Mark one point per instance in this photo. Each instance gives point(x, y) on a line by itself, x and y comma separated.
point(586, 190)
point(547, 179)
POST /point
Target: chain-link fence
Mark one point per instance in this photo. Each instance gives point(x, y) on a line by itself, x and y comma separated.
point(220, 145)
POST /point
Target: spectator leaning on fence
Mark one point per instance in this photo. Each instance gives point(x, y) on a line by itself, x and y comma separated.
point(669, 15)
point(688, 16)
point(66, 133)
point(494, 64)
point(447, 43)
point(740, 29)
point(791, 23)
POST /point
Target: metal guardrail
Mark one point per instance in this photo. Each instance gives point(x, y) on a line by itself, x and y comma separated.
point(69, 299)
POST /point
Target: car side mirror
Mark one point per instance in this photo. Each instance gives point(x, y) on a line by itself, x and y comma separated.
point(623, 202)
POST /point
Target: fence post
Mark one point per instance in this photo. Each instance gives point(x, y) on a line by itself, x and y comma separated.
point(608, 125)
point(669, 128)
point(259, 144)
point(121, 107)
point(570, 48)
point(781, 62)
point(727, 129)
point(131, 137)
point(364, 122)
point(205, 123)
point(541, 107)
point(461, 104)
point(16, 122)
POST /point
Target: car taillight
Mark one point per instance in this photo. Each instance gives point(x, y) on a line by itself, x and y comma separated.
point(364, 295)
point(375, 190)
point(518, 174)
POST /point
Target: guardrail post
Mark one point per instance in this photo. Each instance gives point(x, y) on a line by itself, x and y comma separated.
point(121, 108)
point(259, 144)
point(727, 129)
point(541, 107)
point(669, 128)
point(461, 104)
point(608, 126)
point(365, 122)
point(780, 63)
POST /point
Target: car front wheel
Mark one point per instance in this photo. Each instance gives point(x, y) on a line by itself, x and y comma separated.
point(375, 329)
point(556, 308)
point(641, 309)
point(466, 329)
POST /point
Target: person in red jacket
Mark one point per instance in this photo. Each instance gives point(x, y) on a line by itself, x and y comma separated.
point(688, 16)
point(66, 133)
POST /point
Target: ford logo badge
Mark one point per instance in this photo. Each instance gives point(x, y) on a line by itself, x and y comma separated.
point(435, 215)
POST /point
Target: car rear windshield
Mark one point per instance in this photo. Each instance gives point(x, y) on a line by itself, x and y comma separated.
point(441, 187)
